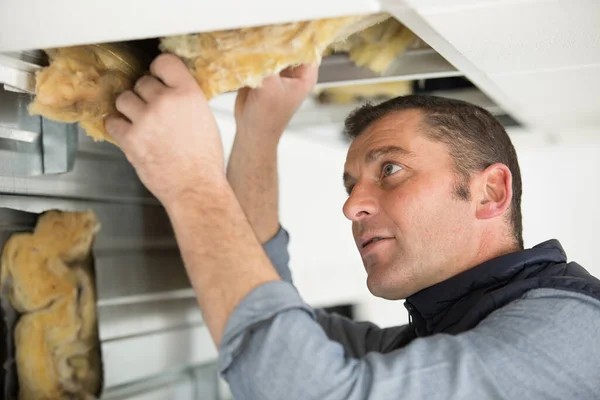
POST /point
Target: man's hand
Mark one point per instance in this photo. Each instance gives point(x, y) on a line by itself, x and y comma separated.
point(171, 136)
point(269, 108)
point(172, 140)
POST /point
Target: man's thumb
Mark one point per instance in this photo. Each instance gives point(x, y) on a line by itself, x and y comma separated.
point(117, 129)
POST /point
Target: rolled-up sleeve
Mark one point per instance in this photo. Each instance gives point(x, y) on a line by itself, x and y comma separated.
point(277, 251)
point(273, 348)
point(357, 338)
point(258, 309)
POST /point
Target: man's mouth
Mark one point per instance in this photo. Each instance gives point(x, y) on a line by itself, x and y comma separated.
point(368, 242)
point(372, 240)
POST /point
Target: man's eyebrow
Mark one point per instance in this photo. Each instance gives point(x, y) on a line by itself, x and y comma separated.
point(382, 151)
point(372, 156)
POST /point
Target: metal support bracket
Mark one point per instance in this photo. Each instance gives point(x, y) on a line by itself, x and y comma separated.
point(32, 145)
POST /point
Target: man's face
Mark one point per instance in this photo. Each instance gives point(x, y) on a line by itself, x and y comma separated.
point(410, 227)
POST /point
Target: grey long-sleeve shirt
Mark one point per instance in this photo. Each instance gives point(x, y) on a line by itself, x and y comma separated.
point(545, 345)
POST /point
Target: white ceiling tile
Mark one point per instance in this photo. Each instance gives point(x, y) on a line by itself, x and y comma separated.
point(35, 24)
point(438, 5)
point(556, 99)
point(508, 36)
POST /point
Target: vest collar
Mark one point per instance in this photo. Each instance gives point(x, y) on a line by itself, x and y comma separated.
point(429, 304)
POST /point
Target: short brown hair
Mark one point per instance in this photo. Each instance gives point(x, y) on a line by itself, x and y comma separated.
point(475, 138)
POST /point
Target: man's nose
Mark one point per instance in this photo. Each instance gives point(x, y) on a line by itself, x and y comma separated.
point(362, 203)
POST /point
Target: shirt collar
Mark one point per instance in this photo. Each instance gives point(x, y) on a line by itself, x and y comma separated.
point(428, 303)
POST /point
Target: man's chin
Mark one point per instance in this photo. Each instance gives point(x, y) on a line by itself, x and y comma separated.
point(380, 287)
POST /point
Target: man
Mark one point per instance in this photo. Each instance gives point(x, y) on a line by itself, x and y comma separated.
point(434, 197)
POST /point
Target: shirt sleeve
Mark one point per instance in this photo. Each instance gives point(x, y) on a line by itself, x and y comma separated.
point(357, 338)
point(277, 251)
point(360, 338)
point(543, 346)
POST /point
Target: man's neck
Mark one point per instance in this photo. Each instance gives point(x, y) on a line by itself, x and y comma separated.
point(492, 246)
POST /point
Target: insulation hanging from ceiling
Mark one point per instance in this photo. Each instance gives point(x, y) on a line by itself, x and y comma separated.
point(82, 82)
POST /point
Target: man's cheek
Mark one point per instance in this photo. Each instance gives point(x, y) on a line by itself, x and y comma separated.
point(399, 205)
point(355, 232)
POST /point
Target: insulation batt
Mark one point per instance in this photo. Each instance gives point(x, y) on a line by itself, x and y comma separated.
point(228, 60)
point(351, 94)
point(48, 276)
point(378, 46)
point(82, 82)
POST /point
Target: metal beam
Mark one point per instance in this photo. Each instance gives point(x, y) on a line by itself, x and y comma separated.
point(339, 70)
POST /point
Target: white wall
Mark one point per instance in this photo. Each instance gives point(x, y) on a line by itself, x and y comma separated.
point(560, 200)
point(324, 260)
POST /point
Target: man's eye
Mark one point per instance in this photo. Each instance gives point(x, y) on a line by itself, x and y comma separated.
point(389, 169)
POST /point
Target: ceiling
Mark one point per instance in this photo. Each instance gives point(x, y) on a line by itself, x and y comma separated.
point(538, 60)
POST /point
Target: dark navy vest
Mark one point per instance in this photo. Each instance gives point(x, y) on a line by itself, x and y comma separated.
point(461, 302)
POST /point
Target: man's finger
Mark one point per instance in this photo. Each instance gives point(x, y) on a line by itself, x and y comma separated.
point(172, 71)
point(130, 105)
point(304, 75)
point(289, 72)
point(299, 71)
point(269, 81)
point(117, 127)
point(148, 88)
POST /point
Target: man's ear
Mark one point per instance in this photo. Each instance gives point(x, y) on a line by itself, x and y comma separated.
point(494, 191)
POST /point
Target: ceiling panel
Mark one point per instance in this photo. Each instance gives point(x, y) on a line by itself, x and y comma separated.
point(556, 99)
point(35, 24)
point(437, 5)
point(522, 36)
